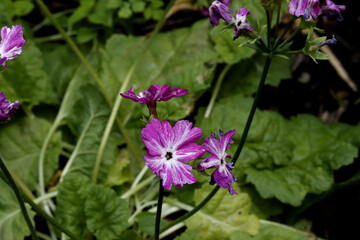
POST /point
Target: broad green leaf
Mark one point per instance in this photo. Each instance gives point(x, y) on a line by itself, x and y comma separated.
point(283, 159)
point(243, 78)
point(223, 214)
point(26, 80)
point(90, 209)
point(106, 214)
point(270, 232)
point(189, 235)
point(146, 222)
point(12, 222)
point(60, 64)
point(72, 194)
point(20, 144)
point(182, 58)
point(22, 7)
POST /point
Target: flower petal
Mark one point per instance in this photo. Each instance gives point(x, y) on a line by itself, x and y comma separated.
point(212, 146)
point(189, 152)
point(176, 173)
point(151, 138)
point(226, 140)
point(155, 163)
point(7, 109)
point(223, 176)
point(184, 134)
point(209, 162)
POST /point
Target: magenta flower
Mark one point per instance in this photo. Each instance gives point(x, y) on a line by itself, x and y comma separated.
point(241, 24)
point(154, 94)
point(222, 175)
point(11, 42)
point(217, 11)
point(7, 109)
point(307, 8)
point(333, 11)
point(168, 148)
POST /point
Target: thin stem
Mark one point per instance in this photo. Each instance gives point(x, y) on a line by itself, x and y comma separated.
point(21, 185)
point(278, 40)
point(278, 16)
point(253, 109)
point(192, 212)
point(109, 125)
point(269, 18)
point(158, 212)
point(293, 52)
point(19, 198)
point(51, 220)
point(68, 146)
point(290, 38)
point(216, 90)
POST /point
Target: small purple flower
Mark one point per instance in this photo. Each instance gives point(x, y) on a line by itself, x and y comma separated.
point(167, 149)
point(333, 11)
point(241, 24)
point(222, 175)
point(154, 94)
point(331, 41)
point(217, 11)
point(7, 109)
point(307, 8)
point(11, 42)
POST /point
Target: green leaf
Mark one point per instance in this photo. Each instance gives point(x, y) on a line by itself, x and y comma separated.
point(22, 7)
point(125, 11)
point(243, 78)
point(269, 232)
point(119, 172)
point(82, 11)
point(30, 66)
point(86, 34)
point(86, 208)
point(20, 144)
point(12, 222)
point(101, 14)
point(283, 159)
point(72, 194)
point(106, 214)
point(189, 235)
point(146, 222)
point(227, 48)
point(223, 214)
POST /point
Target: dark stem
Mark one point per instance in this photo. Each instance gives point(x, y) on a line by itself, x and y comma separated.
point(51, 220)
point(19, 198)
point(253, 109)
point(269, 18)
point(278, 17)
point(290, 38)
point(158, 212)
point(278, 40)
point(152, 109)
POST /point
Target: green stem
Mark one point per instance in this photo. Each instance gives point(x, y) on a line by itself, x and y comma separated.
point(278, 40)
point(293, 52)
point(269, 19)
point(216, 90)
point(138, 187)
point(19, 198)
point(278, 16)
point(253, 109)
point(92, 72)
point(51, 220)
point(158, 211)
point(109, 125)
point(290, 38)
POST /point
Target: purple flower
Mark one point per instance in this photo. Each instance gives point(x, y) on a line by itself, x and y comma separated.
point(7, 109)
point(312, 10)
point(331, 41)
point(241, 24)
point(222, 175)
point(333, 11)
point(11, 42)
point(168, 148)
point(154, 94)
point(217, 11)
point(307, 8)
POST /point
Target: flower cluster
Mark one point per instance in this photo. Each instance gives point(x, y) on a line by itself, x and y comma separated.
point(7, 109)
point(311, 9)
point(11, 42)
point(169, 148)
point(219, 10)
